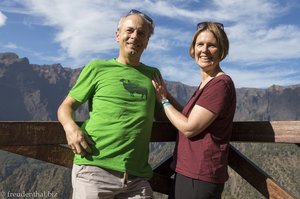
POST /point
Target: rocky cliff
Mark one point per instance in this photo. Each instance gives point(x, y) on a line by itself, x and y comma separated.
point(33, 92)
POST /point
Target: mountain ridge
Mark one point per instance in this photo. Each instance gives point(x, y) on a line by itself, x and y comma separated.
point(35, 92)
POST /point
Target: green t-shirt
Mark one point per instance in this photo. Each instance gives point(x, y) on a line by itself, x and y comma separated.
point(121, 104)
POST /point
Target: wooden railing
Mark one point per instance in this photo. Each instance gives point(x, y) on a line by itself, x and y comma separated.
point(46, 141)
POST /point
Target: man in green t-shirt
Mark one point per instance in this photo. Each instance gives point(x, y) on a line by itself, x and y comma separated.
point(112, 146)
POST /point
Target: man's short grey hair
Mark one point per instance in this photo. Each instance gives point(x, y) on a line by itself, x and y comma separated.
point(151, 26)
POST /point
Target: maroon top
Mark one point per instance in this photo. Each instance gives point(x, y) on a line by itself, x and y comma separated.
point(204, 156)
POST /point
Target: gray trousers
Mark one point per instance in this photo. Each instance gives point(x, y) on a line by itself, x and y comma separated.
point(91, 182)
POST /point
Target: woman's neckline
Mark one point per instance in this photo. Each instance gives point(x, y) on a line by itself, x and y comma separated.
point(208, 79)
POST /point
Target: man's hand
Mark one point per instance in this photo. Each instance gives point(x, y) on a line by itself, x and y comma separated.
point(78, 141)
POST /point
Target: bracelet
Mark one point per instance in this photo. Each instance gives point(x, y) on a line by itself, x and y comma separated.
point(165, 102)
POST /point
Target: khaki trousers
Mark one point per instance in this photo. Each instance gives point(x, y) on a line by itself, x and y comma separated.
point(92, 182)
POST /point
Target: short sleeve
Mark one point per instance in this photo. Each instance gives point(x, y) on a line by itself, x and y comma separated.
point(85, 84)
point(214, 95)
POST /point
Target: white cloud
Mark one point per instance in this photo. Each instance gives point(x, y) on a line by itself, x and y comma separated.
point(264, 45)
point(89, 28)
point(85, 30)
point(167, 38)
point(256, 11)
point(10, 46)
point(82, 27)
point(3, 19)
point(262, 78)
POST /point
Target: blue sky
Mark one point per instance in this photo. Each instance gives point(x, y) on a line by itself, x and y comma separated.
point(264, 35)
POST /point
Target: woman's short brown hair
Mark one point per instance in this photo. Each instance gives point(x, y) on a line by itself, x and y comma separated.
point(218, 31)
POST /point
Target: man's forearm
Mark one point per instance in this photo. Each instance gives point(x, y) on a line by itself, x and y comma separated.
point(66, 115)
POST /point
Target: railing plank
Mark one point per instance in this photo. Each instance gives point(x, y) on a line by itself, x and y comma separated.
point(260, 180)
point(31, 133)
point(161, 180)
point(161, 183)
point(164, 167)
point(58, 155)
point(163, 132)
point(48, 133)
point(267, 131)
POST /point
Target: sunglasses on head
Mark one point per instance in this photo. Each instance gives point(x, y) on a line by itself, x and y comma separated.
point(204, 24)
point(133, 11)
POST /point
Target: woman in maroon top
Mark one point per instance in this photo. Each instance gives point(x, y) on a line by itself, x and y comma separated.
point(205, 123)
